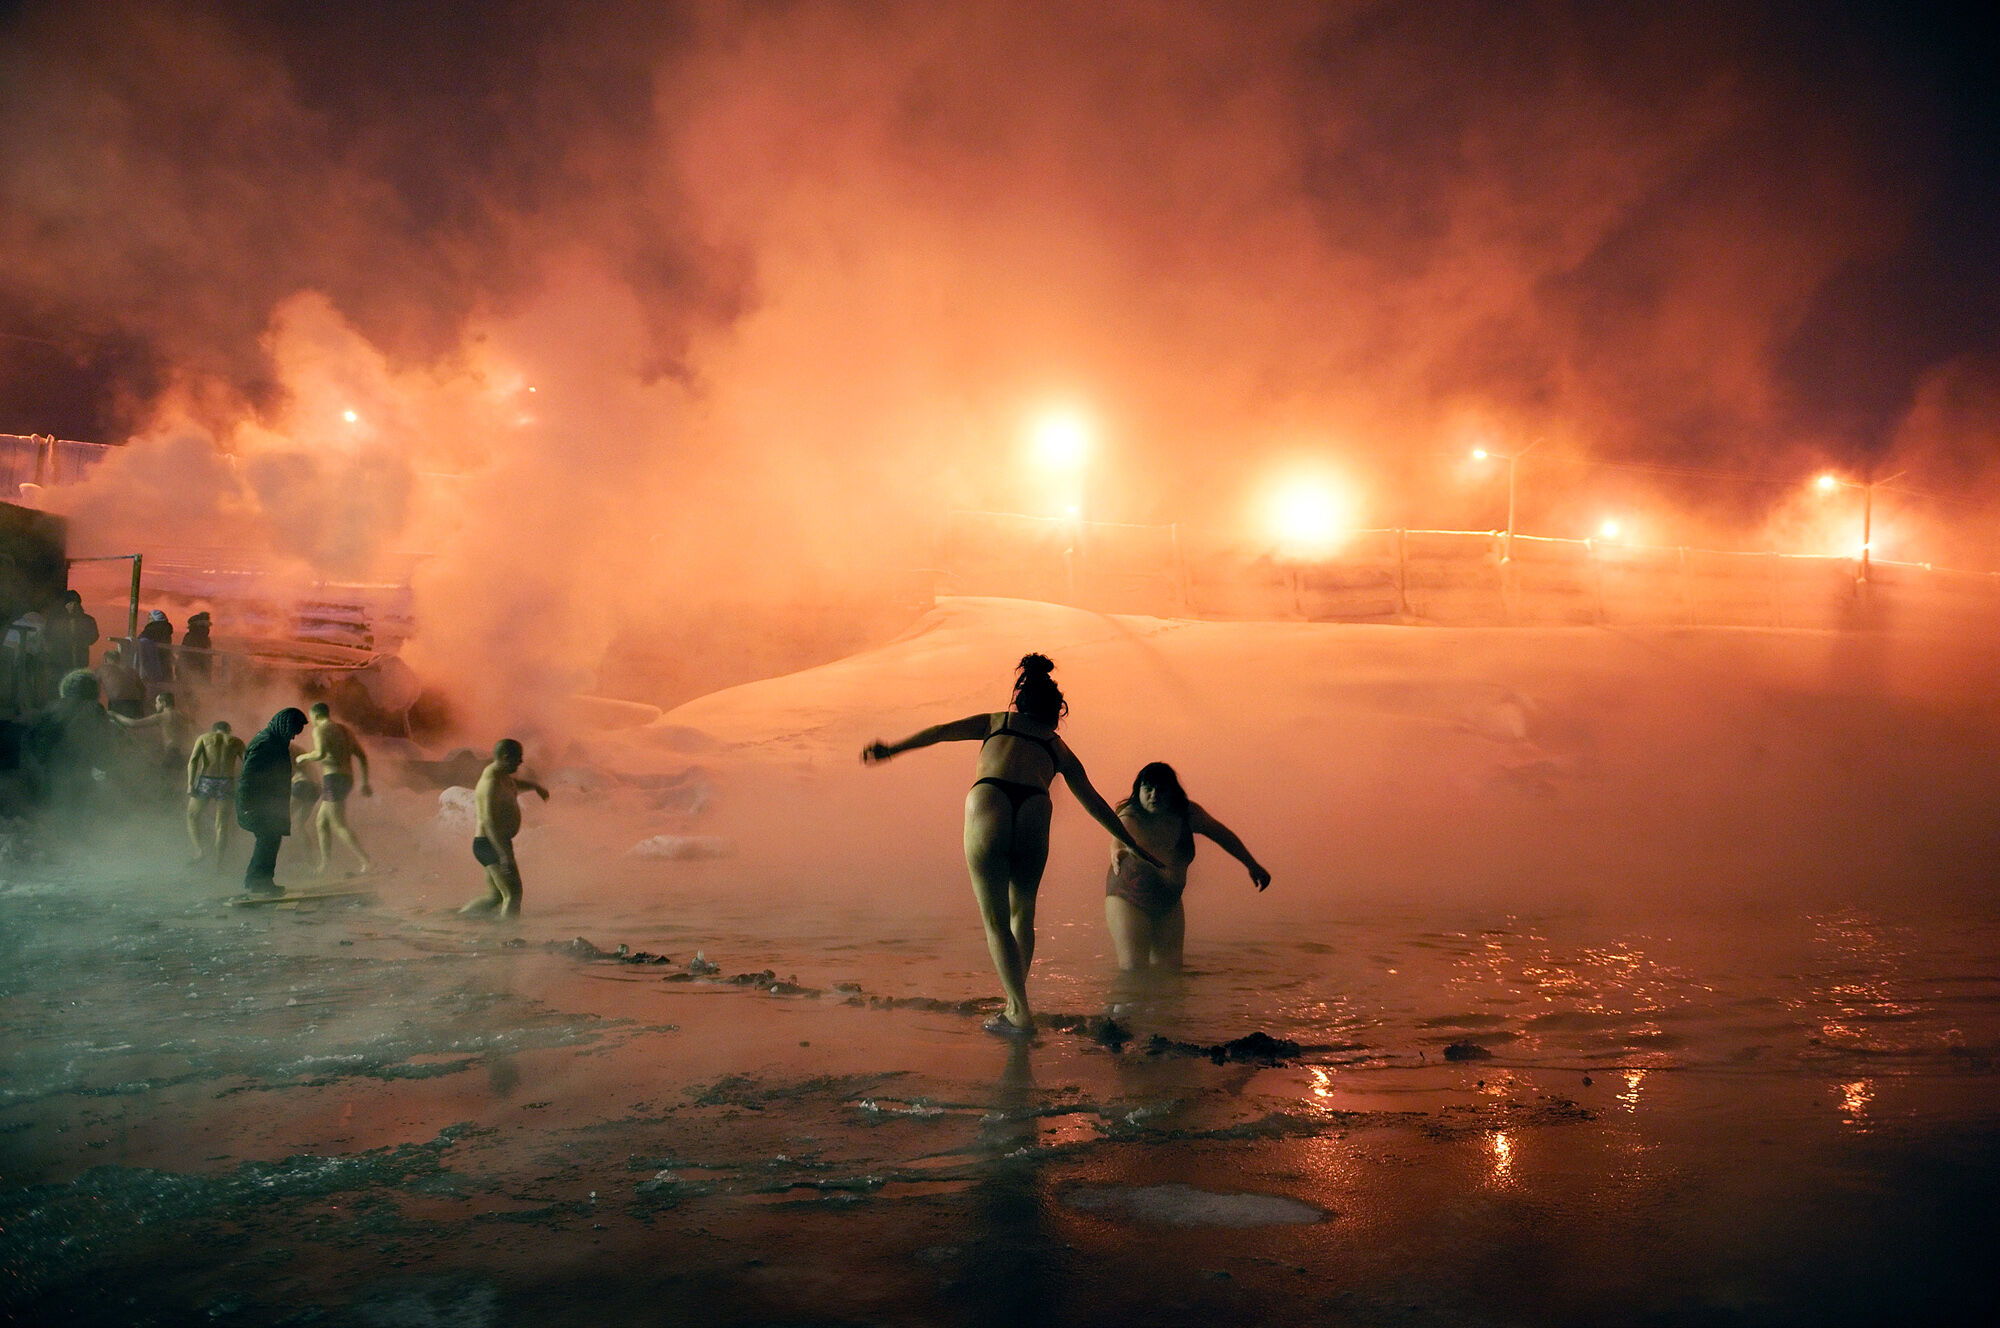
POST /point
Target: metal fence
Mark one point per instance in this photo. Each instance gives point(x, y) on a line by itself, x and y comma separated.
point(44, 460)
point(1442, 576)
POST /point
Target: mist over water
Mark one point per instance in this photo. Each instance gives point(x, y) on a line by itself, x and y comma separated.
point(1639, 971)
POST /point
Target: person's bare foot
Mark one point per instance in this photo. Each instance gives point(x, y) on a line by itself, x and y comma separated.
point(1006, 1027)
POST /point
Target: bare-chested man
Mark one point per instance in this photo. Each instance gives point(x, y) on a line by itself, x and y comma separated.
point(497, 801)
point(175, 730)
point(211, 775)
point(334, 755)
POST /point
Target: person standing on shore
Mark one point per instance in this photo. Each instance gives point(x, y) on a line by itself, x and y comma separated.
point(336, 752)
point(71, 633)
point(211, 780)
point(124, 691)
point(264, 797)
point(497, 804)
point(1007, 819)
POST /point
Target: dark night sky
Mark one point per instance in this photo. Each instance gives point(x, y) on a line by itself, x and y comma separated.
point(1616, 181)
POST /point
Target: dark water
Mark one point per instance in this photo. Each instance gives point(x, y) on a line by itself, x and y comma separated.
point(374, 1113)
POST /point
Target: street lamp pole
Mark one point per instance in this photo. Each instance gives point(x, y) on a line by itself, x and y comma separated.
point(1513, 460)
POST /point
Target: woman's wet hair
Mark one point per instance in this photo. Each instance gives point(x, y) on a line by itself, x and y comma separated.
point(1161, 777)
point(1035, 692)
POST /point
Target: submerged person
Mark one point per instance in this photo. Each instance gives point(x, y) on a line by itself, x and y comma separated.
point(211, 776)
point(1007, 819)
point(497, 805)
point(1142, 899)
point(264, 797)
point(336, 752)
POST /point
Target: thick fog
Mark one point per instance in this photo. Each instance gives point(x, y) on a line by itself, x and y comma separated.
point(589, 317)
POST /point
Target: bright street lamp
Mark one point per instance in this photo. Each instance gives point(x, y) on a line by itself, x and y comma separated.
point(1828, 483)
point(1512, 459)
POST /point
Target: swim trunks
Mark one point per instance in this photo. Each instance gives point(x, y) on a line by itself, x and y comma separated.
point(211, 788)
point(1142, 885)
point(335, 788)
point(483, 850)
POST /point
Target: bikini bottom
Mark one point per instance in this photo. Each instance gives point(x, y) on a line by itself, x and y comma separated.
point(1018, 794)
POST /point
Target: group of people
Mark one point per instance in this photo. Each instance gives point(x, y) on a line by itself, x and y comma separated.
point(269, 784)
point(1007, 815)
point(273, 789)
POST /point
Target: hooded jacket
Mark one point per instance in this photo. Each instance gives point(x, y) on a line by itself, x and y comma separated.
point(264, 786)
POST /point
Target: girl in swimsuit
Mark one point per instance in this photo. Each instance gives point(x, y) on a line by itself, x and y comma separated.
point(1007, 819)
point(1142, 901)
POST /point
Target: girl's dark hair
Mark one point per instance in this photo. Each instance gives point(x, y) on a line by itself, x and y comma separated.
point(1162, 777)
point(1035, 692)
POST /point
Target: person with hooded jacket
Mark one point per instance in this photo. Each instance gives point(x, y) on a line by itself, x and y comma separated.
point(264, 797)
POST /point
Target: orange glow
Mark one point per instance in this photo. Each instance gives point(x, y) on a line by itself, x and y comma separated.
point(351, 417)
point(1827, 483)
point(1480, 454)
point(1061, 440)
point(1309, 514)
point(1610, 529)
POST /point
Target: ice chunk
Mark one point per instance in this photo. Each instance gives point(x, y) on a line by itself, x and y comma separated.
point(457, 814)
point(682, 846)
point(1186, 1206)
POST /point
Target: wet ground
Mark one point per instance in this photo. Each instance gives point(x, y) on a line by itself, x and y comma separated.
point(367, 1111)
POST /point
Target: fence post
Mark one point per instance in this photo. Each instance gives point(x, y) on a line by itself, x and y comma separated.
point(1403, 572)
point(1183, 593)
point(1596, 577)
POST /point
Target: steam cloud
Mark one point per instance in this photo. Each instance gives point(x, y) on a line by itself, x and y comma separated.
point(632, 302)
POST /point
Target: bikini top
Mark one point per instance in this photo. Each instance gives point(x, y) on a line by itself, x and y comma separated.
point(1003, 731)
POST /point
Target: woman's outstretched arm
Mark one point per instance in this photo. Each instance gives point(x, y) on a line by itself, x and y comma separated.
point(958, 730)
point(1204, 824)
point(1093, 802)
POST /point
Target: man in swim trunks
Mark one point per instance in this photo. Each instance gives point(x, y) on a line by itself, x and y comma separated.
point(211, 775)
point(497, 801)
point(334, 755)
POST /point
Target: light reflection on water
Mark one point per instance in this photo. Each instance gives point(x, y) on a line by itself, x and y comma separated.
point(1502, 1147)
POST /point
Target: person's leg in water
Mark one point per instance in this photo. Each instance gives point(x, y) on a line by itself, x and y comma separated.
point(329, 823)
point(989, 819)
point(503, 888)
point(1131, 932)
point(195, 807)
point(223, 821)
point(1030, 858)
point(990, 859)
point(1169, 934)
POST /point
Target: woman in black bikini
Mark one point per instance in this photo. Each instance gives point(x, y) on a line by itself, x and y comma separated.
point(1142, 899)
point(1007, 819)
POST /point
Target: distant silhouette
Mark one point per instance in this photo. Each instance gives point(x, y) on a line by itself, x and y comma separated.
point(1142, 899)
point(1007, 819)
